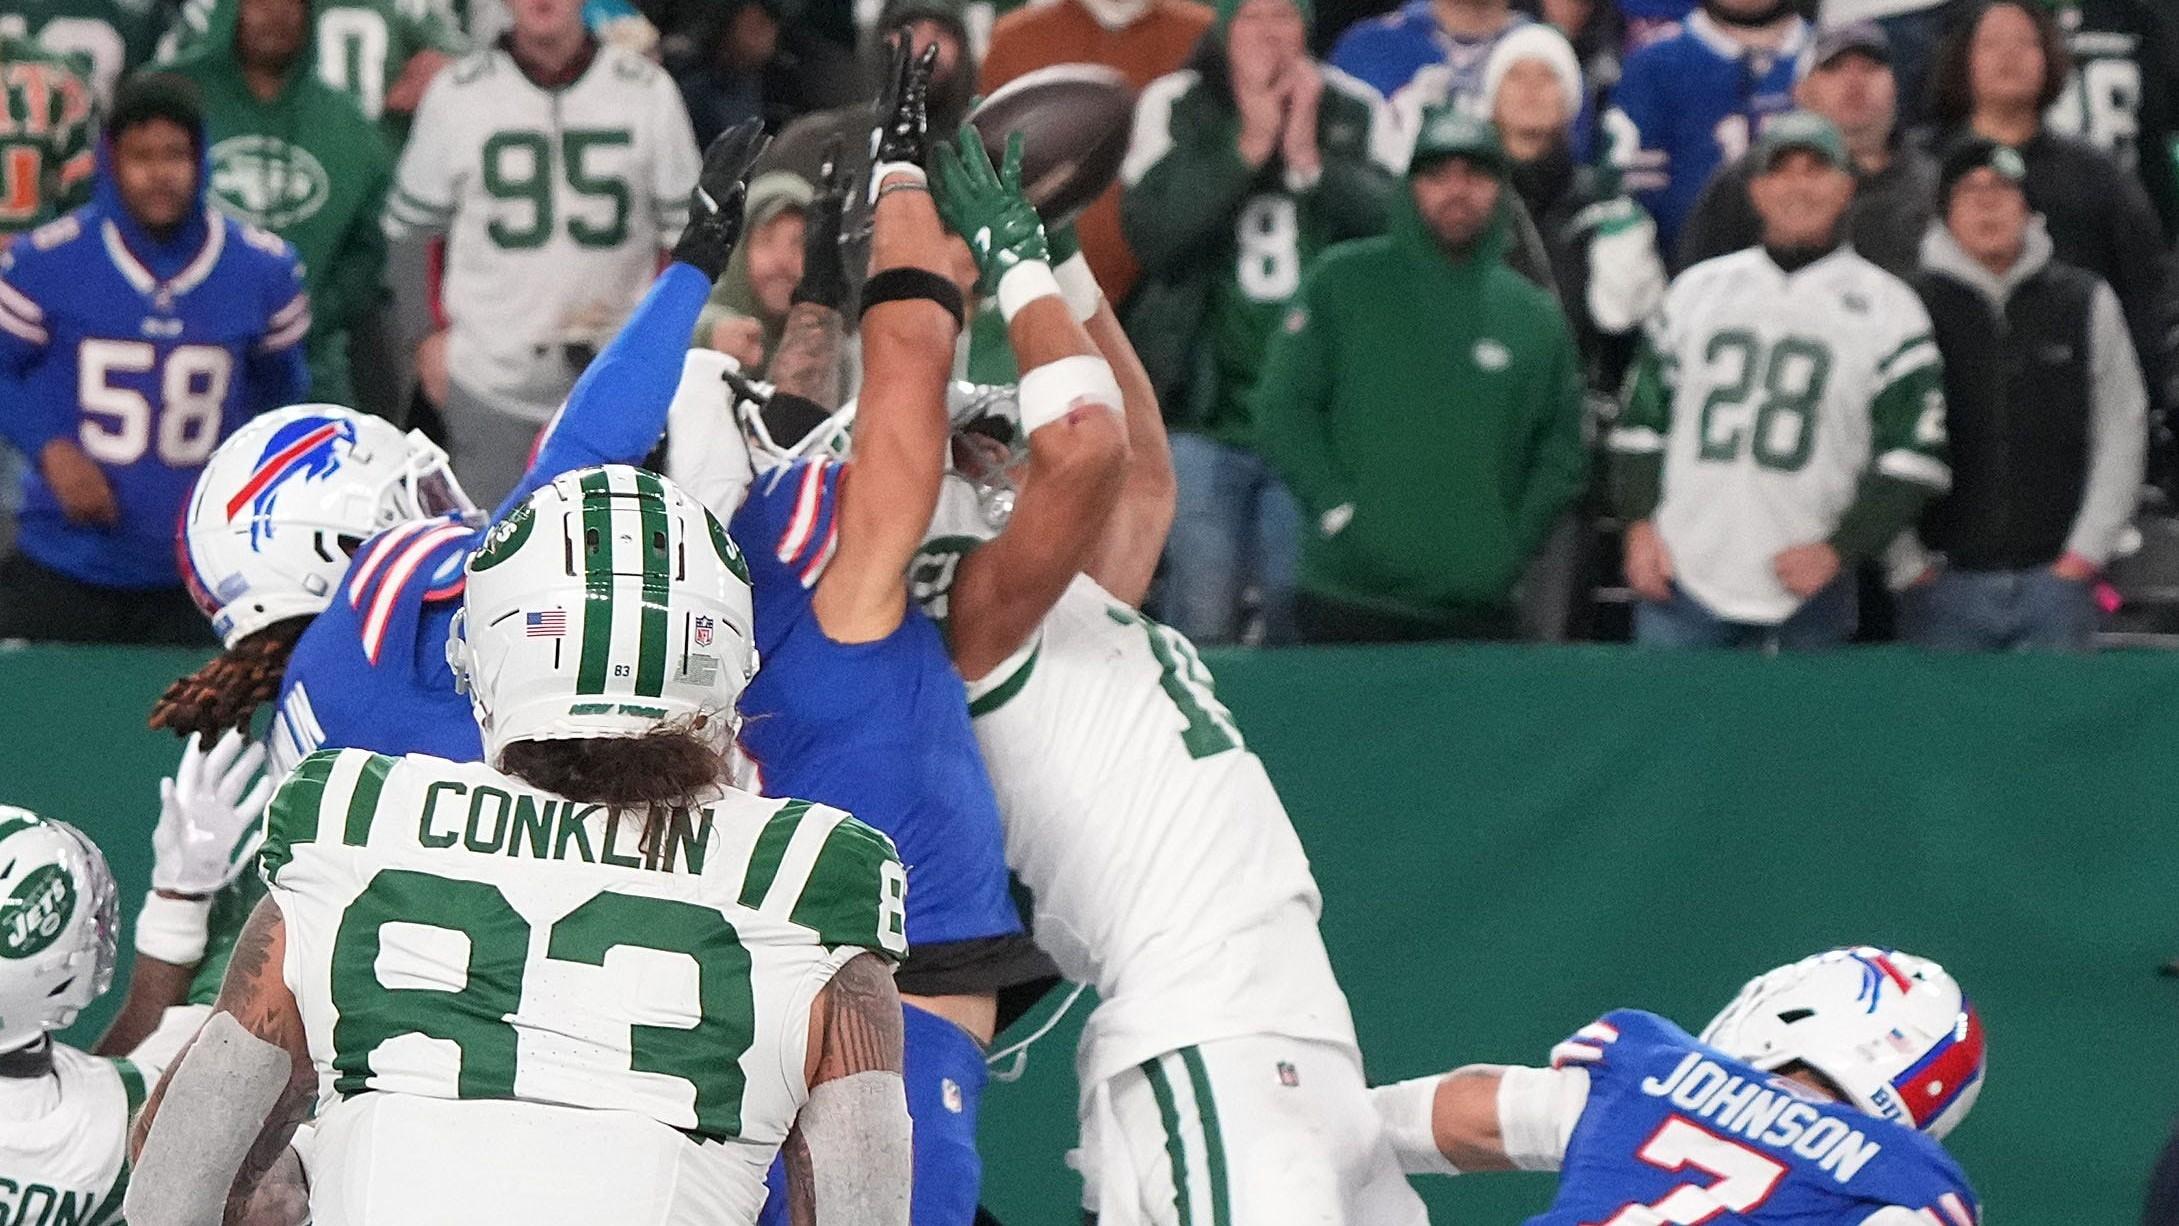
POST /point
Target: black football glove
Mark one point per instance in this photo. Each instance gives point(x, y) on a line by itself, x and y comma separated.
point(904, 120)
point(824, 265)
point(715, 207)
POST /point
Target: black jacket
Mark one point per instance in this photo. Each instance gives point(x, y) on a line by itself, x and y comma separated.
point(1891, 209)
point(2044, 409)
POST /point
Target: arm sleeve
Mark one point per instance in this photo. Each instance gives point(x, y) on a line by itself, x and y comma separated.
point(421, 201)
point(27, 421)
point(2117, 433)
point(1637, 440)
point(1558, 462)
point(675, 161)
point(1626, 279)
point(1907, 446)
point(1293, 405)
point(1178, 187)
point(1537, 1111)
point(618, 408)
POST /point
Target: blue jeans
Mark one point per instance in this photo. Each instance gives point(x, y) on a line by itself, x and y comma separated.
point(2000, 610)
point(1235, 528)
point(1826, 619)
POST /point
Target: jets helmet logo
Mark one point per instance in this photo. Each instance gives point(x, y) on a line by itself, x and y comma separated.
point(302, 450)
point(34, 916)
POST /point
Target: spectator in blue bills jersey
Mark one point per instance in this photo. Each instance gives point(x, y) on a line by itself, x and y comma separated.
point(135, 334)
point(1689, 104)
point(1441, 44)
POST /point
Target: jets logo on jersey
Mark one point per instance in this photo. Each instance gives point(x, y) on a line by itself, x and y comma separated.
point(299, 451)
point(37, 912)
point(269, 181)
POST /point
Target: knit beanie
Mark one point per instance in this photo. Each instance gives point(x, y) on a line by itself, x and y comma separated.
point(1533, 41)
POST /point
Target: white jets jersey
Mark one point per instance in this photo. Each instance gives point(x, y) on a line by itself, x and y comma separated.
point(555, 204)
point(1165, 871)
point(1771, 395)
point(527, 1009)
point(64, 1139)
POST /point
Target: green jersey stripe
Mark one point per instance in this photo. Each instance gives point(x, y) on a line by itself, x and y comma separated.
point(1176, 1153)
point(108, 1212)
point(770, 850)
point(293, 815)
point(363, 802)
point(14, 824)
point(597, 584)
point(998, 696)
point(651, 646)
point(132, 1081)
point(1214, 1144)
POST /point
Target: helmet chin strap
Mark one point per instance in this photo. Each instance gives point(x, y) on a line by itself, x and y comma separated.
point(32, 1058)
point(1724, 16)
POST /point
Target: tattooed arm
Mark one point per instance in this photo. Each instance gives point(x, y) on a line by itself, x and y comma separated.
point(807, 363)
point(242, 1086)
point(848, 1156)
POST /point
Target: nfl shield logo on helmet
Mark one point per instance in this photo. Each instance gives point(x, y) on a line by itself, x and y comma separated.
point(703, 631)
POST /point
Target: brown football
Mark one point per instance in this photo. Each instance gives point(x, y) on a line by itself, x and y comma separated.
point(1074, 120)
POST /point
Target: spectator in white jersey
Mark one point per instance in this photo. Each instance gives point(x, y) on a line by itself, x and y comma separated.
point(2046, 415)
point(558, 169)
point(1785, 421)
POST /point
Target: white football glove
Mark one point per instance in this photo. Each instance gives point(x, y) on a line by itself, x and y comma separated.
point(205, 812)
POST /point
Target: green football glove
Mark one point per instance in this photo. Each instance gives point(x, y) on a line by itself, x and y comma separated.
point(985, 206)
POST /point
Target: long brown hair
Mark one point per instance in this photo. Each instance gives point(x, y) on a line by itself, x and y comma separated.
point(671, 766)
point(227, 691)
point(1952, 79)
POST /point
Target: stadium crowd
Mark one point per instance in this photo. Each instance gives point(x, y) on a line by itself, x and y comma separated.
point(1574, 199)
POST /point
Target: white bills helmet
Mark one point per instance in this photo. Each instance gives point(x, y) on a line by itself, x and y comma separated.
point(279, 507)
point(608, 603)
point(58, 924)
point(1892, 1031)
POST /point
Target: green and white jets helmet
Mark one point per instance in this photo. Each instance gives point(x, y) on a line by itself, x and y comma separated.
point(608, 603)
point(58, 924)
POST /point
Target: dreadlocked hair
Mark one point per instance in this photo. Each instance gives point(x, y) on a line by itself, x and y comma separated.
point(673, 766)
point(227, 691)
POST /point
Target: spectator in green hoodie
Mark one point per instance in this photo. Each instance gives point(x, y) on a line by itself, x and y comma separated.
point(297, 157)
point(1424, 402)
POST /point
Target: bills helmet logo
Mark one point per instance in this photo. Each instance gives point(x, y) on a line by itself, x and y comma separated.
point(302, 450)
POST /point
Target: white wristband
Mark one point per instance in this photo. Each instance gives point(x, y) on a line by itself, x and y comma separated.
point(173, 929)
point(1055, 389)
point(885, 170)
point(1023, 284)
point(1078, 285)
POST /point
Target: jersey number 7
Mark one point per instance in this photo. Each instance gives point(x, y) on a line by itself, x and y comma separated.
point(1745, 1178)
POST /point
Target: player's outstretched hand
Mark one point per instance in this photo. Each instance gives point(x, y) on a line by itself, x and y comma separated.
point(715, 207)
point(904, 110)
point(205, 811)
point(824, 265)
point(985, 206)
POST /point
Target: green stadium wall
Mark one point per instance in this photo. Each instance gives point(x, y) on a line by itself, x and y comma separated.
point(1512, 841)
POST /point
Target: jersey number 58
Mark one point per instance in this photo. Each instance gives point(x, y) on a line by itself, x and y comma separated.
point(121, 423)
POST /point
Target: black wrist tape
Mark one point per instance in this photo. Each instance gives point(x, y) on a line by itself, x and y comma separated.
point(902, 284)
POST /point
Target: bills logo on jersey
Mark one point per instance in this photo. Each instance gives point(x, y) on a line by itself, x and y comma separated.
point(302, 450)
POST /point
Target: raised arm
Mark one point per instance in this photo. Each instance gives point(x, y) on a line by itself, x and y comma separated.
point(231, 1101)
point(911, 319)
point(618, 408)
point(1070, 406)
point(1484, 1117)
point(848, 1158)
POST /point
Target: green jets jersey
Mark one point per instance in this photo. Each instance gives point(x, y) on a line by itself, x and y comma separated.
point(363, 46)
point(110, 37)
point(45, 136)
point(456, 935)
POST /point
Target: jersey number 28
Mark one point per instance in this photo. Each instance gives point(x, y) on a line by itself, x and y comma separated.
point(1743, 1178)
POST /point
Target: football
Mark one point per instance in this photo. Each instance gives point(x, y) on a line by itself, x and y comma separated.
point(1074, 120)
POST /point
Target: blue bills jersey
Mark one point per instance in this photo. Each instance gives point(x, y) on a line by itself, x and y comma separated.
point(370, 672)
point(1674, 1131)
point(1690, 104)
point(145, 372)
point(880, 729)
